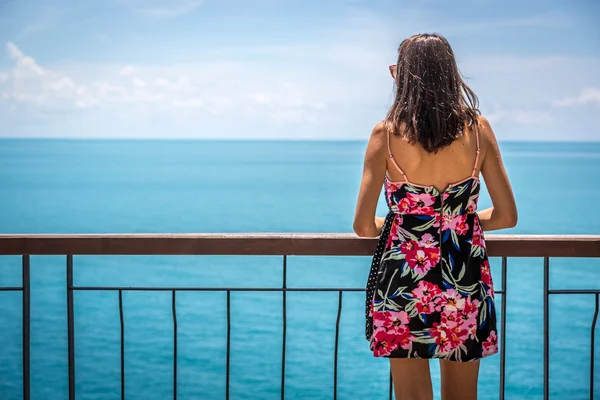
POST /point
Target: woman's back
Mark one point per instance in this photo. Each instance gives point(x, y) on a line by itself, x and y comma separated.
point(450, 165)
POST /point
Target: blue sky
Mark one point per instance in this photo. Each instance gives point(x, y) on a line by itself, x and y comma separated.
point(232, 69)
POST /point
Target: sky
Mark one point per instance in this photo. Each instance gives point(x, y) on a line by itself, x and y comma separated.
point(273, 69)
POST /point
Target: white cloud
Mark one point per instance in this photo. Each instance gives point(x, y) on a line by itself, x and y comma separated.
point(194, 103)
point(334, 86)
point(127, 70)
point(211, 88)
point(588, 96)
point(29, 83)
point(23, 62)
point(520, 116)
point(138, 83)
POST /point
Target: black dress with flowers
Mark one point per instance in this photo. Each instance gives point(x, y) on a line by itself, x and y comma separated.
point(430, 292)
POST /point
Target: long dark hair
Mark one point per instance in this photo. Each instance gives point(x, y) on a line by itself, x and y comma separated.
point(433, 104)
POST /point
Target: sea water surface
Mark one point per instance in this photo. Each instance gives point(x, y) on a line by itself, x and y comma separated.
point(97, 186)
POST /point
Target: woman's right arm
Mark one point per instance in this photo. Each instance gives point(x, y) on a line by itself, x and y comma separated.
point(503, 213)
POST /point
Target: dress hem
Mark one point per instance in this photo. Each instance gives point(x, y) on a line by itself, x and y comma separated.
point(469, 359)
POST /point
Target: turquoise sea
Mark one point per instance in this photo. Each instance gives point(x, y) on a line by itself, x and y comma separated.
point(95, 186)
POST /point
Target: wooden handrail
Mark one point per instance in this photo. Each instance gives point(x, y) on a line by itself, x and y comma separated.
point(274, 244)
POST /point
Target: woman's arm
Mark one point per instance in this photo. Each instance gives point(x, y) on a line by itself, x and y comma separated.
point(365, 222)
point(503, 213)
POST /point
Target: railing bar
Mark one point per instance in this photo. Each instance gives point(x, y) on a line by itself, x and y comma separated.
point(546, 327)
point(228, 361)
point(503, 329)
point(284, 327)
point(251, 289)
point(593, 345)
point(335, 352)
point(574, 291)
point(275, 245)
point(70, 327)
point(195, 289)
point(122, 345)
point(11, 288)
point(25, 281)
point(213, 289)
point(174, 311)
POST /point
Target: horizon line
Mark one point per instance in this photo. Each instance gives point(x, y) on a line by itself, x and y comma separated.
point(192, 139)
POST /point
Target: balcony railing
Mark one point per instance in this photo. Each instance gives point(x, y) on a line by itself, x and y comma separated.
point(283, 245)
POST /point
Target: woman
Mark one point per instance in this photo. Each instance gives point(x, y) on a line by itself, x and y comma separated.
point(430, 293)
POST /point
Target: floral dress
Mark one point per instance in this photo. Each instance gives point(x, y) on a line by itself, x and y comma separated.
point(430, 292)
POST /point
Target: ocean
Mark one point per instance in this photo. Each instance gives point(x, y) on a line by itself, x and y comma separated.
point(109, 186)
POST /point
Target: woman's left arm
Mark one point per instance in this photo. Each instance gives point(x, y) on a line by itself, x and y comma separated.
point(366, 224)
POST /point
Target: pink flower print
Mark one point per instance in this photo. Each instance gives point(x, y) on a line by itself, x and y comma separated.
point(420, 200)
point(450, 319)
point(390, 320)
point(419, 261)
point(409, 247)
point(421, 203)
point(391, 331)
point(390, 241)
point(428, 241)
point(379, 319)
point(455, 330)
point(471, 309)
point(383, 343)
point(455, 222)
point(442, 338)
point(396, 319)
point(458, 337)
point(447, 222)
point(461, 226)
point(396, 232)
point(451, 301)
point(446, 195)
point(425, 307)
point(477, 235)
point(486, 276)
point(404, 206)
point(462, 229)
point(392, 187)
point(490, 346)
point(404, 337)
point(471, 207)
point(469, 316)
point(438, 220)
point(398, 220)
point(418, 258)
point(426, 291)
point(434, 255)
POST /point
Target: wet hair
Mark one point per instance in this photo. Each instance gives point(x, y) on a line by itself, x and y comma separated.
point(432, 104)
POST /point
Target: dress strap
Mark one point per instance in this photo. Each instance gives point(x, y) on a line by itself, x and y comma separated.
point(478, 151)
point(391, 156)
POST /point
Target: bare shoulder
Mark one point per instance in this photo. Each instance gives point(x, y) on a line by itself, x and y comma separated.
point(378, 138)
point(486, 133)
point(379, 131)
point(484, 124)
